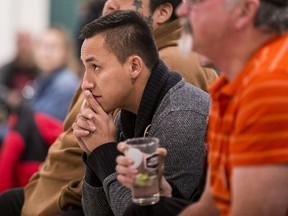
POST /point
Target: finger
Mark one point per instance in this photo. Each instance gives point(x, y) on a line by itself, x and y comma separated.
point(83, 146)
point(127, 171)
point(122, 147)
point(165, 188)
point(79, 132)
point(93, 103)
point(124, 161)
point(111, 114)
point(114, 112)
point(85, 124)
point(88, 119)
point(87, 113)
point(162, 152)
point(126, 181)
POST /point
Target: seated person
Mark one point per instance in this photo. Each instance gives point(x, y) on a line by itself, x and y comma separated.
point(36, 118)
point(123, 70)
point(15, 74)
point(248, 124)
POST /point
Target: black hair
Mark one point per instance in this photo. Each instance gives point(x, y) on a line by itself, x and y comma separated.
point(272, 16)
point(125, 34)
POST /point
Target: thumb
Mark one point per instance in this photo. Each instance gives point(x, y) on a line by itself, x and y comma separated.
point(111, 114)
point(122, 147)
point(162, 152)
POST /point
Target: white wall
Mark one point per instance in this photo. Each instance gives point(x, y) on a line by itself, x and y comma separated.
point(31, 15)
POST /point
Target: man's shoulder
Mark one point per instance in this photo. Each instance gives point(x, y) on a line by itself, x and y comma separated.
point(186, 97)
point(188, 66)
point(181, 63)
point(172, 55)
point(266, 79)
point(187, 90)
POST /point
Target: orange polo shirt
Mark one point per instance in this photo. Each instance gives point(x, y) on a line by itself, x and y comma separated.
point(248, 122)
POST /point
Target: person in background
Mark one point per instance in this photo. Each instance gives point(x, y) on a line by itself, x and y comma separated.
point(161, 17)
point(22, 69)
point(15, 75)
point(58, 81)
point(247, 134)
point(119, 49)
point(36, 118)
point(88, 11)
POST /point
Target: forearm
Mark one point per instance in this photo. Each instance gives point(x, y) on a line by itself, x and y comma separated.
point(199, 210)
point(107, 197)
point(94, 201)
point(118, 196)
point(100, 186)
point(102, 161)
point(205, 206)
point(266, 186)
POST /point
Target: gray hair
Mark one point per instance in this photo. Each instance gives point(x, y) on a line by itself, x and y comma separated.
point(272, 16)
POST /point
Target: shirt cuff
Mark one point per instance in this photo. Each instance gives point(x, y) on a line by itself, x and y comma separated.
point(102, 161)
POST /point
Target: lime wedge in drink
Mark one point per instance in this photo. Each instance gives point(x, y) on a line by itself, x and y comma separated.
point(143, 179)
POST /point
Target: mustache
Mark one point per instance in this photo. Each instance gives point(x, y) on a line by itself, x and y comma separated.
point(185, 44)
point(186, 26)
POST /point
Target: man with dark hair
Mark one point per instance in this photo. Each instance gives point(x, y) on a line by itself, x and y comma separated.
point(123, 70)
point(247, 134)
point(161, 16)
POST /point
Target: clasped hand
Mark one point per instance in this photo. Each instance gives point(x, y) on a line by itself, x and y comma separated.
point(93, 126)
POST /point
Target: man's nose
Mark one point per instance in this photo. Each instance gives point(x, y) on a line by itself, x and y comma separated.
point(183, 9)
point(87, 83)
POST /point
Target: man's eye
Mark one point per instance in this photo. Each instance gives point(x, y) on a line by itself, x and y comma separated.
point(95, 67)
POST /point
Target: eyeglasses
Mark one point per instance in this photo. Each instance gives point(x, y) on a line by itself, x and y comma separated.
point(191, 3)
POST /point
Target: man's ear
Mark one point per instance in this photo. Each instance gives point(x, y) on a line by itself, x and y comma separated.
point(136, 65)
point(163, 13)
point(246, 12)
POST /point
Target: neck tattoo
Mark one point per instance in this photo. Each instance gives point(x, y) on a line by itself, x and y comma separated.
point(137, 4)
point(149, 21)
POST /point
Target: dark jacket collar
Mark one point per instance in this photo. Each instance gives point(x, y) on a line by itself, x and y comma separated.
point(159, 83)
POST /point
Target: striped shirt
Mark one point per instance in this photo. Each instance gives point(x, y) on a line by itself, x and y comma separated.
point(248, 123)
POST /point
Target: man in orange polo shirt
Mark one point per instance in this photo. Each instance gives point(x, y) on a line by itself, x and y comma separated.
point(248, 124)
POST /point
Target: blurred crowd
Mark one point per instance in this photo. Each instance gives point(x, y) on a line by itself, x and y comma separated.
point(37, 87)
